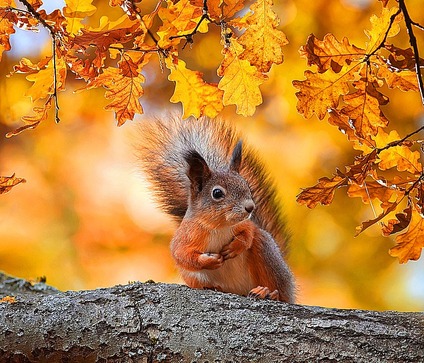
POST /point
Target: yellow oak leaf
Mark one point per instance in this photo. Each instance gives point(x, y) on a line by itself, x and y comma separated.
point(43, 79)
point(8, 182)
point(178, 18)
point(330, 53)
point(321, 92)
point(409, 244)
point(262, 41)
point(75, 11)
point(240, 81)
point(79, 8)
point(380, 26)
point(197, 97)
point(401, 157)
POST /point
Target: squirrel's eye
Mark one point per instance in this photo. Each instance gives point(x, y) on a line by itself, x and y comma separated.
point(218, 193)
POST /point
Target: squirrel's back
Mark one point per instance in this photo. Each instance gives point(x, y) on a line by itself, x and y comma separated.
point(162, 147)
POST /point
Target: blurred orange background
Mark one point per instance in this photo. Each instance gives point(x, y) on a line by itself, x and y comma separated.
point(85, 217)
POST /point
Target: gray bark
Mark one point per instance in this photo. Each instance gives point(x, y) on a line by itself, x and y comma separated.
point(172, 323)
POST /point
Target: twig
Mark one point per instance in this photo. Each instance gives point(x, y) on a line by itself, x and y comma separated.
point(189, 36)
point(383, 42)
point(398, 142)
point(418, 25)
point(413, 41)
point(52, 32)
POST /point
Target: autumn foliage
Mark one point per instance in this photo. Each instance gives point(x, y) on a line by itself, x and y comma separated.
point(345, 84)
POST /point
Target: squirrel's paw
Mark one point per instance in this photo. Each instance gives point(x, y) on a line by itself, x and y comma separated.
point(261, 292)
point(211, 261)
point(233, 249)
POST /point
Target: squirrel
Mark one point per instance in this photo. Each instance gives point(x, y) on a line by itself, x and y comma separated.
point(226, 206)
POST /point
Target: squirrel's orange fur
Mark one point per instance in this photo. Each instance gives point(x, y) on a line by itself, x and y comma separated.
point(225, 204)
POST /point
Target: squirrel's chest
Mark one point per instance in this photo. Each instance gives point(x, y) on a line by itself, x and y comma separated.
point(233, 276)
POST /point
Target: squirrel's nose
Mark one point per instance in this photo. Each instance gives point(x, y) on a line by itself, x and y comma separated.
point(249, 206)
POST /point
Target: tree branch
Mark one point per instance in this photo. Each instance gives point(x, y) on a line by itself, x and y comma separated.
point(413, 41)
point(172, 323)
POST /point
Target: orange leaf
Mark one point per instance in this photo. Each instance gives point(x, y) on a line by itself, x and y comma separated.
point(221, 10)
point(240, 81)
point(321, 92)
point(178, 18)
point(8, 182)
point(380, 27)
point(409, 244)
point(75, 11)
point(197, 97)
point(389, 207)
point(363, 108)
point(330, 53)
point(399, 224)
point(401, 157)
point(373, 190)
point(262, 41)
point(323, 192)
point(6, 28)
point(43, 79)
point(404, 80)
point(8, 299)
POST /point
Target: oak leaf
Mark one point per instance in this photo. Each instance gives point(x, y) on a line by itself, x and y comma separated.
point(219, 9)
point(398, 224)
point(262, 41)
point(322, 192)
point(409, 244)
point(329, 53)
point(320, 92)
point(363, 109)
point(6, 27)
point(383, 26)
point(197, 97)
point(75, 11)
point(401, 157)
point(8, 182)
point(388, 208)
point(378, 189)
point(240, 81)
point(178, 18)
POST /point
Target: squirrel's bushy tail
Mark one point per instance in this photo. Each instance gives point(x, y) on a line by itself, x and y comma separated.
point(161, 151)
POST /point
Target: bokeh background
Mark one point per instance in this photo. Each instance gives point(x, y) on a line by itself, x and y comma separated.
point(85, 217)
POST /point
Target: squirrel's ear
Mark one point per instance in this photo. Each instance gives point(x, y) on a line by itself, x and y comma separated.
point(236, 157)
point(198, 170)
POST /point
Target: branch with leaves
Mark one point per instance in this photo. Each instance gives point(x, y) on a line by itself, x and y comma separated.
point(347, 87)
point(128, 44)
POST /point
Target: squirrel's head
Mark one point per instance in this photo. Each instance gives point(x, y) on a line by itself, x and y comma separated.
point(223, 197)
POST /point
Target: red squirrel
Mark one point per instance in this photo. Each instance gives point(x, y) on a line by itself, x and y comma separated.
point(226, 206)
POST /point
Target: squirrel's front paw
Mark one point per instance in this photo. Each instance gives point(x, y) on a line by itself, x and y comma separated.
point(211, 261)
point(233, 249)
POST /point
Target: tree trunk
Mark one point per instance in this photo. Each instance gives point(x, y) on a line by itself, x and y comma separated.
point(171, 323)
